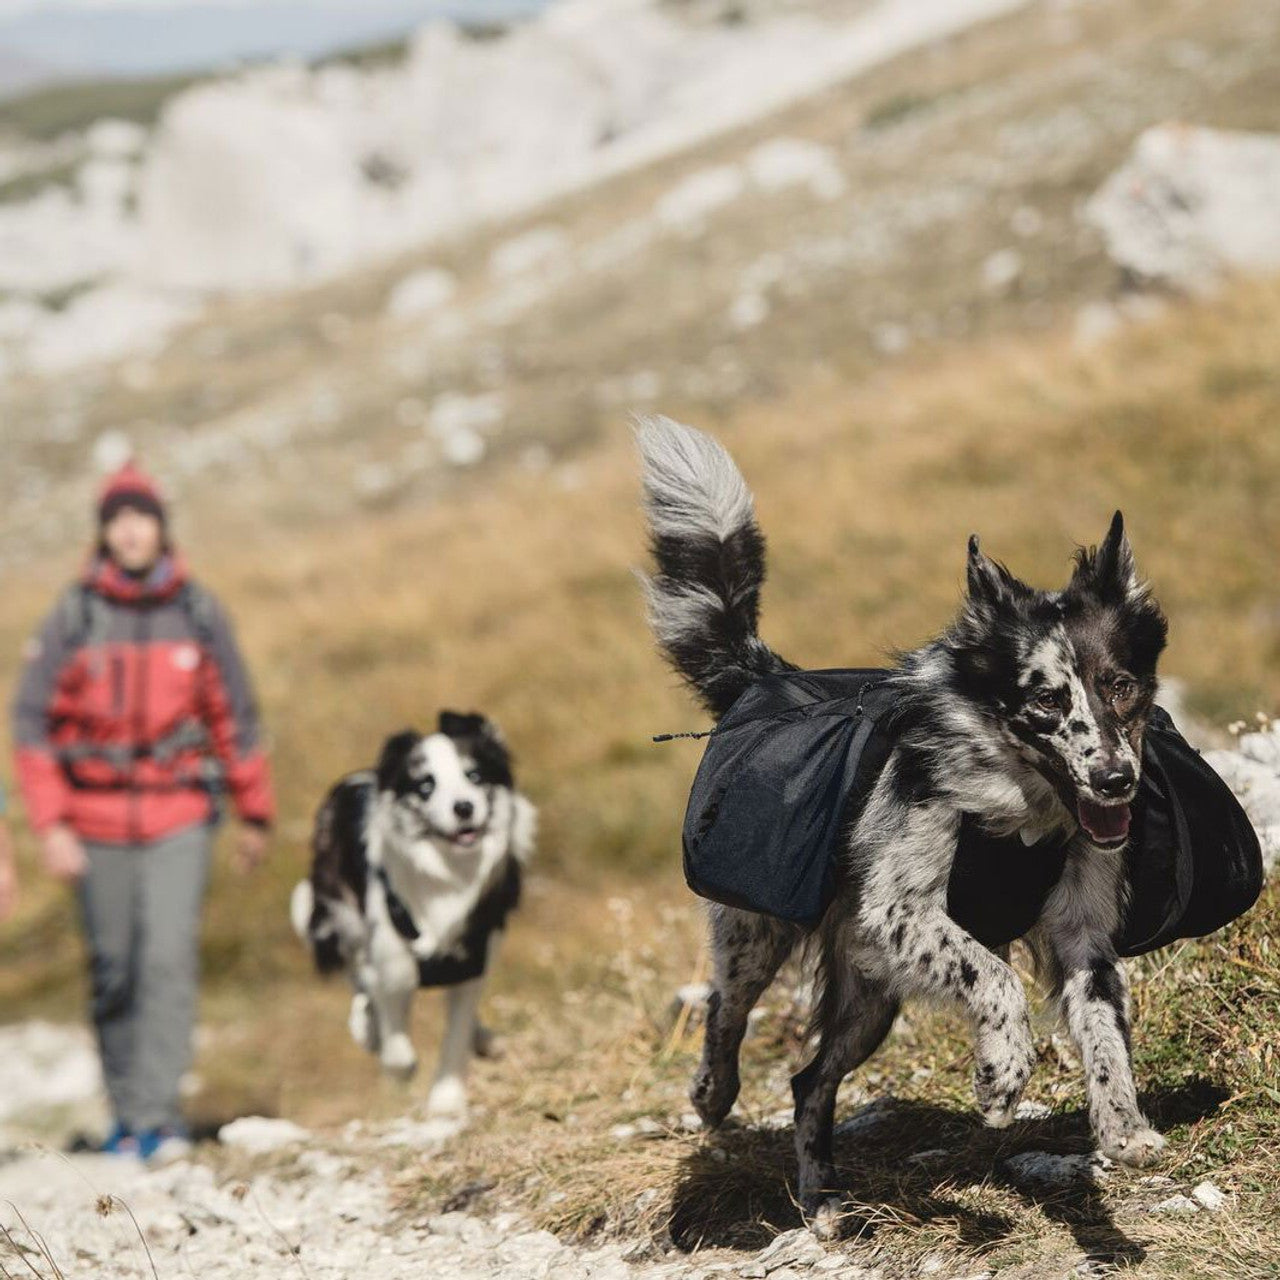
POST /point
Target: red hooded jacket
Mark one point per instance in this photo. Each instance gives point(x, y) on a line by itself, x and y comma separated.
point(131, 691)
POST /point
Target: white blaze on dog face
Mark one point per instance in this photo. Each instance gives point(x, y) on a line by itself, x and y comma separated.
point(1059, 711)
point(446, 788)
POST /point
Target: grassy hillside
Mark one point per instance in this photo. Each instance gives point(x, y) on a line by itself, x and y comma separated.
point(515, 596)
point(318, 404)
point(45, 114)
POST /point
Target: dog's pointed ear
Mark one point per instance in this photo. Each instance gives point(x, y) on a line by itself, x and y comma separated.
point(990, 583)
point(395, 751)
point(461, 724)
point(1116, 568)
point(495, 753)
point(1110, 570)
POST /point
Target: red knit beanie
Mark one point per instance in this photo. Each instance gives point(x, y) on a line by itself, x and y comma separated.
point(130, 487)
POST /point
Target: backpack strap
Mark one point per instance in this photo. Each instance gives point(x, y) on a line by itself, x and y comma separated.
point(83, 615)
point(396, 909)
point(197, 604)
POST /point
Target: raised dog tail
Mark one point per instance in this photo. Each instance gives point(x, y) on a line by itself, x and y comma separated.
point(331, 928)
point(302, 902)
point(704, 600)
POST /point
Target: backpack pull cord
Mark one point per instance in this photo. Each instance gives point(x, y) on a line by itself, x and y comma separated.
point(671, 737)
point(862, 693)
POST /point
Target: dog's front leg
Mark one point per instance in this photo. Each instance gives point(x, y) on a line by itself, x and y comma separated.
point(391, 978)
point(1079, 921)
point(902, 913)
point(935, 958)
point(448, 1095)
point(1095, 1003)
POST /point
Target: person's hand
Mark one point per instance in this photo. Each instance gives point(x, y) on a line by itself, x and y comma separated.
point(8, 872)
point(64, 856)
point(251, 848)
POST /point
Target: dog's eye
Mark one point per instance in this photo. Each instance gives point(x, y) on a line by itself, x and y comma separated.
point(426, 786)
point(473, 776)
point(1047, 701)
point(1122, 689)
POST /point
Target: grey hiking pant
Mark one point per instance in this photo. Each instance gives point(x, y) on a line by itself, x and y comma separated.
point(141, 906)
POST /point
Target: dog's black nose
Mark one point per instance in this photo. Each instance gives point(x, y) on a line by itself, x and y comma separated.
point(463, 808)
point(1112, 780)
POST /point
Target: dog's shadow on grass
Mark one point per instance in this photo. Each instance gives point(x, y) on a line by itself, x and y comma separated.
point(908, 1169)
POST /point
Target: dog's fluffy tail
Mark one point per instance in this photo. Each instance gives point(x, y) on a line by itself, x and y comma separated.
point(302, 903)
point(704, 600)
point(331, 927)
point(325, 909)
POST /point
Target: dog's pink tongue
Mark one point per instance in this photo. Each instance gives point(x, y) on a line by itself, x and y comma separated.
point(1105, 822)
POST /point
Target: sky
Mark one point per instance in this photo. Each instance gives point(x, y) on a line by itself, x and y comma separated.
point(143, 37)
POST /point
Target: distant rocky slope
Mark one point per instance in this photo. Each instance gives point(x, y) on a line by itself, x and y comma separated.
point(284, 176)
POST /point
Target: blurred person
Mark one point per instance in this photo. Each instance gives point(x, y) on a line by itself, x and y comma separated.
point(133, 712)
point(8, 871)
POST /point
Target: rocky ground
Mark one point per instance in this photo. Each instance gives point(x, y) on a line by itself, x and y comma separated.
point(330, 1211)
point(326, 1218)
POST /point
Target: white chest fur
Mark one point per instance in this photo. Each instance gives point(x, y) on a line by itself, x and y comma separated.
point(438, 881)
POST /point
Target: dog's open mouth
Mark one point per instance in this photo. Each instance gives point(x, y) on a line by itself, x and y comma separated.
point(466, 837)
point(1107, 824)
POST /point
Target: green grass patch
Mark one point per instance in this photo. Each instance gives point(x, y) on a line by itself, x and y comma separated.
point(48, 113)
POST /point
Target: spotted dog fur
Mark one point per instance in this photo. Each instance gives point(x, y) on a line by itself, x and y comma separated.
point(1027, 713)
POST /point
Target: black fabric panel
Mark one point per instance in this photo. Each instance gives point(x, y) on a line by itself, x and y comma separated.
point(467, 958)
point(1194, 862)
point(339, 869)
point(998, 885)
point(769, 800)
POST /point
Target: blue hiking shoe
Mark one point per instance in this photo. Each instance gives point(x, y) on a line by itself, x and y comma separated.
point(164, 1145)
point(119, 1142)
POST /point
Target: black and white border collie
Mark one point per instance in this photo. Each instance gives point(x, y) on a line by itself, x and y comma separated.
point(417, 864)
point(1027, 713)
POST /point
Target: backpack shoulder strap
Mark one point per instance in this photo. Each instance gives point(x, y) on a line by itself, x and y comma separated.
point(83, 615)
point(198, 604)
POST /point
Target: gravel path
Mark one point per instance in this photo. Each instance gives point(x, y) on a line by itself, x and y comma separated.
point(323, 1218)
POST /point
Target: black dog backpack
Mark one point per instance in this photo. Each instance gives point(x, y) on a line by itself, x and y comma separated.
point(786, 771)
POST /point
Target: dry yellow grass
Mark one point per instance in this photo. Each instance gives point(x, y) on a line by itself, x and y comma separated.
point(517, 597)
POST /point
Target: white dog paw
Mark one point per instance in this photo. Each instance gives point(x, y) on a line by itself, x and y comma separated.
point(398, 1058)
point(362, 1022)
point(448, 1098)
point(826, 1216)
point(1137, 1149)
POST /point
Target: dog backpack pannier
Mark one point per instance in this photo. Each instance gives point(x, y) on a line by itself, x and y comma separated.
point(769, 800)
point(1193, 860)
point(786, 771)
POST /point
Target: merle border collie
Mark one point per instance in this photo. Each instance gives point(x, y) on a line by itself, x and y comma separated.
point(417, 864)
point(1028, 713)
